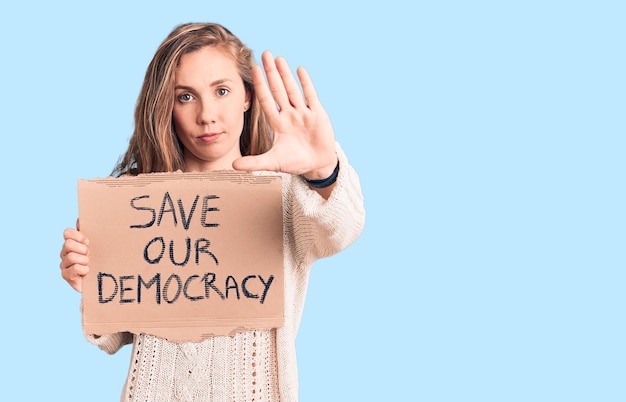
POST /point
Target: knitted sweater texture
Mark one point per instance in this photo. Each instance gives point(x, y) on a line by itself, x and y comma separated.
point(256, 365)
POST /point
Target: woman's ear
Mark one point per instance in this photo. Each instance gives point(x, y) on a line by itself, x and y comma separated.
point(246, 104)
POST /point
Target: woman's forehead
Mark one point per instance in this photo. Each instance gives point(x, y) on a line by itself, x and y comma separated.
point(207, 64)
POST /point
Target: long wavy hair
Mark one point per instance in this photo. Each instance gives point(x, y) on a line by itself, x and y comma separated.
point(154, 145)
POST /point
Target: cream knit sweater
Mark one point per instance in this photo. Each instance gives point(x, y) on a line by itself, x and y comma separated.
point(253, 365)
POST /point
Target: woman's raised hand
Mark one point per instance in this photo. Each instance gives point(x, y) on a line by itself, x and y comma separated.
point(304, 140)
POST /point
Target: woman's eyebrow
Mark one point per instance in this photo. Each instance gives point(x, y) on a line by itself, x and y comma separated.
point(212, 84)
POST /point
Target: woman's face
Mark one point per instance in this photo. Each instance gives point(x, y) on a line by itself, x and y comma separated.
point(209, 108)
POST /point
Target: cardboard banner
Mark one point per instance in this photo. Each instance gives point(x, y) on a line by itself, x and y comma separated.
point(183, 256)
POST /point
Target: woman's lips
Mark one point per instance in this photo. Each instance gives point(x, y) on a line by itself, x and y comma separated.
point(208, 137)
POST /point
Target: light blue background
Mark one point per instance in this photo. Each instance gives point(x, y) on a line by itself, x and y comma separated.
point(489, 137)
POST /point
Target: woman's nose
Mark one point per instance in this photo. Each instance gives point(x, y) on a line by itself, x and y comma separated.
point(206, 114)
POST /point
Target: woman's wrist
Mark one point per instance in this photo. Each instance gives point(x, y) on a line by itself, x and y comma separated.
point(325, 181)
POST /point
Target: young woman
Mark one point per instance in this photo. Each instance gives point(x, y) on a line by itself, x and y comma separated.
point(204, 106)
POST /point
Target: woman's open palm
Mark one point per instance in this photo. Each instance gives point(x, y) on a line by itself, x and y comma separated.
point(303, 136)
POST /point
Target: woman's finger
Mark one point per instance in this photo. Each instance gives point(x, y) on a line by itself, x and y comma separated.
point(71, 246)
point(74, 276)
point(264, 96)
point(275, 81)
point(310, 94)
point(290, 84)
point(74, 255)
point(75, 234)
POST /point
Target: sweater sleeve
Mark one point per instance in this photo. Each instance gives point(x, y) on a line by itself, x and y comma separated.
point(319, 228)
point(111, 343)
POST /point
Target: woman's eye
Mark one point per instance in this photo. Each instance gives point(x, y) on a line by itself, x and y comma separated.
point(222, 91)
point(185, 97)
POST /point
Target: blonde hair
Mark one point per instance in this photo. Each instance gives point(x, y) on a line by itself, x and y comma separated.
point(154, 145)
